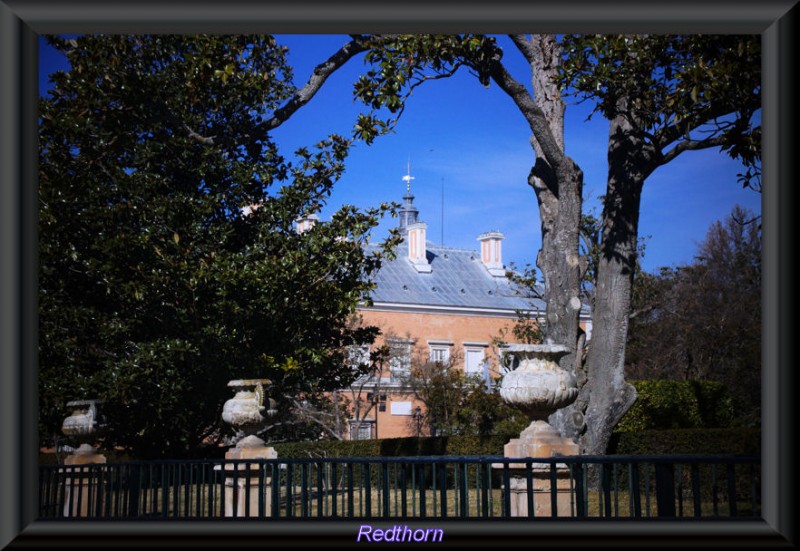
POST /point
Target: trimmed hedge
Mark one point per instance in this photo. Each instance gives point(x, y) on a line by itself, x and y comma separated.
point(664, 405)
point(648, 442)
point(394, 447)
point(735, 441)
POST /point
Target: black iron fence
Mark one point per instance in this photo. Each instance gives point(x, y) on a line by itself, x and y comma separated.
point(407, 487)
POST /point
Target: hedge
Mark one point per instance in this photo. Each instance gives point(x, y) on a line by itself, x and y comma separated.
point(733, 441)
point(647, 442)
point(664, 404)
point(394, 447)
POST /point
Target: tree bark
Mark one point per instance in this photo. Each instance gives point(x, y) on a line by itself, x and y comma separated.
point(558, 183)
point(606, 395)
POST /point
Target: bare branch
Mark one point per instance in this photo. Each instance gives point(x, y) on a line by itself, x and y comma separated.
point(743, 222)
point(305, 413)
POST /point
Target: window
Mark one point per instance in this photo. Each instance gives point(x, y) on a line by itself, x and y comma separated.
point(440, 354)
point(440, 351)
point(379, 399)
point(360, 430)
point(400, 358)
point(474, 364)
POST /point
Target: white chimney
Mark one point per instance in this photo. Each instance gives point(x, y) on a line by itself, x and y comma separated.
point(416, 247)
point(492, 252)
point(305, 223)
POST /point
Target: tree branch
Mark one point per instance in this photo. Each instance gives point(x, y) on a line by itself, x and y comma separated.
point(537, 121)
point(674, 131)
point(198, 138)
point(690, 145)
point(307, 414)
point(641, 311)
point(321, 73)
point(522, 44)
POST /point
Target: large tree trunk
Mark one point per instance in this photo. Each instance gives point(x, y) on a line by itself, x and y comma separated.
point(558, 183)
point(606, 394)
point(559, 189)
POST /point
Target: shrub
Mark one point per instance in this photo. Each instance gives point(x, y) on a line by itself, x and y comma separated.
point(664, 404)
point(730, 441)
point(395, 447)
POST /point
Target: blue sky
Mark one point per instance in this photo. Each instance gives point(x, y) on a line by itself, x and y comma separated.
point(470, 145)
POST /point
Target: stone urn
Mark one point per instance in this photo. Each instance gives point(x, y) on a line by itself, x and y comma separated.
point(82, 422)
point(538, 386)
point(248, 410)
point(82, 425)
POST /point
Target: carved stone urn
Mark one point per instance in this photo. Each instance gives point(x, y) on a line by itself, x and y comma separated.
point(82, 425)
point(248, 410)
point(539, 387)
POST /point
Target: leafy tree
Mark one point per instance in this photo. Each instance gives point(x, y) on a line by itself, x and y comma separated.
point(156, 287)
point(459, 404)
point(703, 321)
point(663, 95)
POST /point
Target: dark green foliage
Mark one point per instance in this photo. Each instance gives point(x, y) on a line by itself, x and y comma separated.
point(395, 447)
point(328, 448)
point(155, 288)
point(403, 62)
point(733, 441)
point(674, 84)
point(665, 404)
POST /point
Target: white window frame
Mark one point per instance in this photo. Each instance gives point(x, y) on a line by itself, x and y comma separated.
point(439, 351)
point(440, 354)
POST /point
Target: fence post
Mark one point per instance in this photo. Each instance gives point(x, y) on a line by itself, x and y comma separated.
point(665, 489)
point(133, 484)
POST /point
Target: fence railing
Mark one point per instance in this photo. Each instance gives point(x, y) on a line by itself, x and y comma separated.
point(721, 487)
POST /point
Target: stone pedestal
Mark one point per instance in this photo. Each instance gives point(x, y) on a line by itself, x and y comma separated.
point(82, 492)
point(542, 499)
point(540, 440)
point(242, 487)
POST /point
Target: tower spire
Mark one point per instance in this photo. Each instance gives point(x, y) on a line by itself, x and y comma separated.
point(408, 177)
point(408, 212)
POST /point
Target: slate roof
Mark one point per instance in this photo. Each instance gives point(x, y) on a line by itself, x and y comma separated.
point(458, 278)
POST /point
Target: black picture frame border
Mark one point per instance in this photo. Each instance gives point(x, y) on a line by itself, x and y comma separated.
point(21, 22)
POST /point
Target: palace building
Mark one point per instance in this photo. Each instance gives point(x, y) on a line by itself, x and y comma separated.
point(438, 304)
